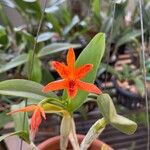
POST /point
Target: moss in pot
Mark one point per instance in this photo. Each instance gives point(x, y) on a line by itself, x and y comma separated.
point(78, 78)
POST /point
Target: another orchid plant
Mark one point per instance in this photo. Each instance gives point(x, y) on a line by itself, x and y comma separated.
point(77, 81)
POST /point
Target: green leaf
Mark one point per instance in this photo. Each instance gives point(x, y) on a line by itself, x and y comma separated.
point(95, 130)
point(119, 1)
point(35, 66)
point(24, 88)
point(3, 36)
point(74, 21)
point(5, 19)
point(51, 108)
point(48, 50)
point(123, 124)
point(19, 60)
point(93, 54)
point(96, 7)
point(55, 48)
point(30, 8)
point(106, 106)
point(128, 37)
point(45, 36)
point(126, 71)
point(46, 76)
point(139, 85)
point(4, 118)
point(22, 134)
point(30, 1)
point(112, 70)
point(19, 118)
point(27, 37)
point(108, 111)
point(8, 3)
point(54, 21)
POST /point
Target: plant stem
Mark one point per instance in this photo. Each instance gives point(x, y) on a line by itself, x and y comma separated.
point(65, 129)
point(73, 136)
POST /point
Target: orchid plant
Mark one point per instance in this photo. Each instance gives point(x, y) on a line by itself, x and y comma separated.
point(77, 81)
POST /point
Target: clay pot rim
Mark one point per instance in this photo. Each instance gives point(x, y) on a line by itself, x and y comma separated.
point(79, 136)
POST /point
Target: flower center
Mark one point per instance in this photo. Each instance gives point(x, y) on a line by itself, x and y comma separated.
point(71, 85)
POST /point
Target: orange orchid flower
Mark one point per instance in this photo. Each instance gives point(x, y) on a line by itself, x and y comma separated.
point(38, 113)
point(71, 77)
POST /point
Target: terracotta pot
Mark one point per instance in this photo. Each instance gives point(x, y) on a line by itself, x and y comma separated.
point(53, 144)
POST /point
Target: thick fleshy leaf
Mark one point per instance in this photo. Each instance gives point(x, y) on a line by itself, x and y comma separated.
point(108, 111)
point(92, 54)
point(93, 133)
point(123, 124)
point(22, 134)
point(56, 47)
point(24, 88)
point(19, 60)
point(106, 106)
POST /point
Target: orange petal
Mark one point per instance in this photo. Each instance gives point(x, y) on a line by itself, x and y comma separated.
point(42, 112)
point(89, 87)
point(24, 109)
point(56, 85)
point(83, 70)
point(35, 121)
point(61, 69)
point(71, 58)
